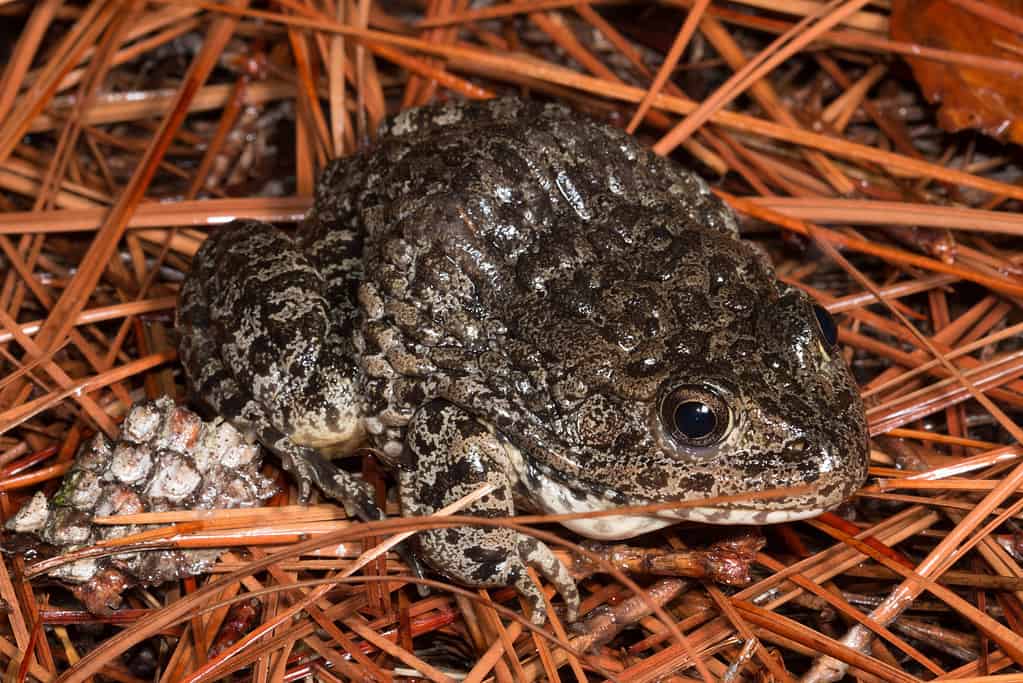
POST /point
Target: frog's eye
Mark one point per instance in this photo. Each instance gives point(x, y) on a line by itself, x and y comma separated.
point(695, 415)
point(826, 324)
point(695, 420)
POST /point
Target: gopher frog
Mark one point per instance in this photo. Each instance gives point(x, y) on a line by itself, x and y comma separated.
point(506, 292)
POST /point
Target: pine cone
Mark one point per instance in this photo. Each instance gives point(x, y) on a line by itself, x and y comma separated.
point(167, 458)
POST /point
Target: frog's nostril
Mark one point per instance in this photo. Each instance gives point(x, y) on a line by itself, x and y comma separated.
point(795, 450)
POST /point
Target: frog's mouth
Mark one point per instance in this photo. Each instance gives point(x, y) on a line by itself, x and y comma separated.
point(553, 495)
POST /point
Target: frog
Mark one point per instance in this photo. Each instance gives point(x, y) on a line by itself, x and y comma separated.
point(508, 293)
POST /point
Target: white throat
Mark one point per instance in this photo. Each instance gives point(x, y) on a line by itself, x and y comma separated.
point(553, 497)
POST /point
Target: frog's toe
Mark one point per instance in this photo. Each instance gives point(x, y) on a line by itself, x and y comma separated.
point(309, 467)
point(305, 491)
point(532, 595)
point(355, 495)
point(537, 555)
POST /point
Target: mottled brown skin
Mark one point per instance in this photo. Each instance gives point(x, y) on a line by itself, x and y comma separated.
point(506, 292)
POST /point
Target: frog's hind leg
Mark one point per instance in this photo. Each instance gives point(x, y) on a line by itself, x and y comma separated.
point(448, 455)
point(221, 312)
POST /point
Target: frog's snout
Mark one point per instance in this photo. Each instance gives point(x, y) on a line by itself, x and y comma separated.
point(836, 467)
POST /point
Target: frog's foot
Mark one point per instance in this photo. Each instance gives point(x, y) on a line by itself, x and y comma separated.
point(493, 556)
point(309, 467)
point(448, 455)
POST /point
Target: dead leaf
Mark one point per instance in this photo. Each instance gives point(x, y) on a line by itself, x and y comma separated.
point(985, 100)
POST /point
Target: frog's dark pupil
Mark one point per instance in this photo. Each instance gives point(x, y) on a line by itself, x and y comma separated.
point(827, 324)
point(694, 419)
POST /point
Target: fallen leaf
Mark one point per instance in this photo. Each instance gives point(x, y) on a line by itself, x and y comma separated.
point(988, 101)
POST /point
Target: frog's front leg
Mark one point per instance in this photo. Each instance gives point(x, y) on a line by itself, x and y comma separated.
point(260, 344)
point(448, 455)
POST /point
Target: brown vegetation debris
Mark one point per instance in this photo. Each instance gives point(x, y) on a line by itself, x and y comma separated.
point(132, 129)
point(726, 561)
point(968, 97)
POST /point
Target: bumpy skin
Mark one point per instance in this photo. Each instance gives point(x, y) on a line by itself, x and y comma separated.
point(265, 345)
point(507, 292)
